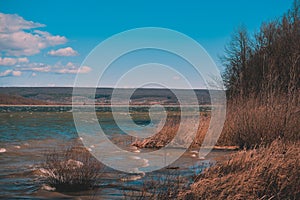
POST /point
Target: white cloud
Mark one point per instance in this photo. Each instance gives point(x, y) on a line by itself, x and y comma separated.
point(12, 61)
point(5, 73)
point(13, 23)
point(84, 69)
point(10, 72)
point(176, 77)
point(69, 68)
point(81, 70)
point(16, 73)
point(23, 60)
point(16, 42)
point(37, 67)
point(68, 51)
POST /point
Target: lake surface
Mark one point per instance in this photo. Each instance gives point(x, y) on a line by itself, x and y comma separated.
point(27, 134)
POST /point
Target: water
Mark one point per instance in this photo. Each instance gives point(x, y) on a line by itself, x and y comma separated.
point(28, 133)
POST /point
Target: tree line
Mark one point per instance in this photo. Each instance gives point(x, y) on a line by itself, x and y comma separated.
point(267, 63)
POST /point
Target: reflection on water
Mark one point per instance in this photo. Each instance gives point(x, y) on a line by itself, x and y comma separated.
point(28, 133)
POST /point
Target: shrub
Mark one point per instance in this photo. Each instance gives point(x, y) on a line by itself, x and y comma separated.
point(73, 169)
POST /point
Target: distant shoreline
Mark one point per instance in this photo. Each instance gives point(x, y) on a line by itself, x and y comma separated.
point(104, 105)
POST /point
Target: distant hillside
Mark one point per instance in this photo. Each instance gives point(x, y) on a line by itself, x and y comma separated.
point(63, 95)
point(6, 99)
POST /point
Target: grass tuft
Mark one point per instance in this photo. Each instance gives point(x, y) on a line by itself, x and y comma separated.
point(71, 170)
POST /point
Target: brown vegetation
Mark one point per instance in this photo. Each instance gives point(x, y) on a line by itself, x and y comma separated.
point(72, 169)
point(6, 99)
point(264, 173)
point(169, 130)
point(167, 186)
point(263, 81)
point(251, 122)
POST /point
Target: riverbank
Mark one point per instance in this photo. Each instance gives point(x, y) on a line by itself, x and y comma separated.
point(265, 173)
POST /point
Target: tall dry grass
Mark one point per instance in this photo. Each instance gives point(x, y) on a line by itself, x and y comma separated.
point(265, 173)
point(252, 121)
point(170, 129)
point(249, 122)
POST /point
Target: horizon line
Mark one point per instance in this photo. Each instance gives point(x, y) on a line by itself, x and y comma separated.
point(103, 87)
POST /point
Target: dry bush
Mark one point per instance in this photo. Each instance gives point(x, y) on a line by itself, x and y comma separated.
point(265, 173)
point(252, 122)
point(73, 169)
point(169, 130)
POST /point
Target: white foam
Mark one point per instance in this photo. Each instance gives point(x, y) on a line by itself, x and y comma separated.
point(48, 188)
point(2, 150)
point(135, 157)
point(133, 148)
point(137, 171)
point(89, 149)
point(145, 163)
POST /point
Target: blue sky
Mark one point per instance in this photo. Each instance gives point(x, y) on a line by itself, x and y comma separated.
point(60, 34)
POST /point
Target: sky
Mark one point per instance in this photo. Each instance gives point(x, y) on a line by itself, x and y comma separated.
point(43, 43)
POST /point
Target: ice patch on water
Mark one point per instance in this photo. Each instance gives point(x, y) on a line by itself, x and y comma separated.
point(135, 157)
point(48, 188)
point(145, 163)
point(137, 171)
point(137, 174)
point(17, 147)
point(131, 178)
point(89, 149)
point(2, 150)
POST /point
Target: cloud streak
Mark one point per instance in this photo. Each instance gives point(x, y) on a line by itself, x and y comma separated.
point(68, 51)
point(69, 68)
point(12, 61)
point(10, 72)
